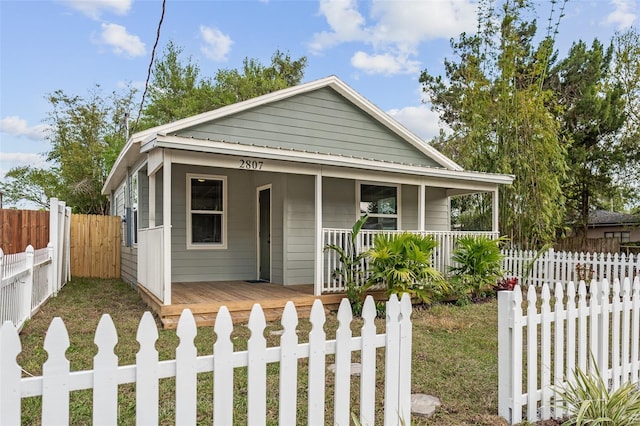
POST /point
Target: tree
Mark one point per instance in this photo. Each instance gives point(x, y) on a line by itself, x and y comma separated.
point(494, 101)
point(86, 135)
point(178, 91)
point(591, 116)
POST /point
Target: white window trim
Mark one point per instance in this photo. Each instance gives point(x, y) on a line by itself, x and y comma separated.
point(225, 196)
point(398, 187)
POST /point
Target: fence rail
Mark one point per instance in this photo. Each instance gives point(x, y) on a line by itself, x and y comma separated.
point(552, 266)
point(541, 347)
point(26, 282)
point(441, 257)
point(29, 278)
point(57, 381)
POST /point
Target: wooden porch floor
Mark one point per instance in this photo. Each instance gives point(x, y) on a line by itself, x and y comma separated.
point(206, 298)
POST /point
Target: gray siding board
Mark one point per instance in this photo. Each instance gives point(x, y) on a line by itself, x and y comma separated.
point(320, 121)
point(129, 265)
point(338, 203)
point(437, 209)
point(300, 211)
point(409, 207)
point(238, 261)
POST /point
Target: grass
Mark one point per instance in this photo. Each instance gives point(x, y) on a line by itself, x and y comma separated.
point(454, 357)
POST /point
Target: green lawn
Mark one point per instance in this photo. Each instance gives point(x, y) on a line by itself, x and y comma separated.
point(454, 356)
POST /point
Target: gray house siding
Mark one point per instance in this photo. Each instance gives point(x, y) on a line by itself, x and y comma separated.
point(437, 209)
point(409, 207)
point(299, 216)
point(129, 265)
point(319, 121)
point(238, 260)
point(338, 203)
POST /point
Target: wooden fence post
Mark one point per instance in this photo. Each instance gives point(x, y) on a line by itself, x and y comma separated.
point(27, 284)
point(505, 363)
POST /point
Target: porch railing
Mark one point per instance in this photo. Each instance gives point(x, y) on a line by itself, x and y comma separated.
point(150, 260)
point(441, 257)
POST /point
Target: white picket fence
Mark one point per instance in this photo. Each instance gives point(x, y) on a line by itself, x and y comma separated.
point(28, 279)
point(441, 258)
point(559, 266)
point(552, 338)
point(57, 381)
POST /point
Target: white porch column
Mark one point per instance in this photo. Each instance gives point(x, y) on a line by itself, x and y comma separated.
point(494, 210)
point(152, 200)
point(317, 265)
point(166, 222)
point(421, 207)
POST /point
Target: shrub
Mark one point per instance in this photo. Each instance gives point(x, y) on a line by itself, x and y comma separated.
point(591, 403)
point(402, 262)
point(350, 270)
point(478, 266)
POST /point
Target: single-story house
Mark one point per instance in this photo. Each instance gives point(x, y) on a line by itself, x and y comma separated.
point(254, 190)
point(607, 224)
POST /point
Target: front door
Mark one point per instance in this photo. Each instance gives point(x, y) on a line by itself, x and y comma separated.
point(264, 233)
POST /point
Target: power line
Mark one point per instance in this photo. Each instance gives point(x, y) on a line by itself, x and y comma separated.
point(153, 54)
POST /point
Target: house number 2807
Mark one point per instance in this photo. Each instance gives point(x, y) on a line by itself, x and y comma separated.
point(251, 164)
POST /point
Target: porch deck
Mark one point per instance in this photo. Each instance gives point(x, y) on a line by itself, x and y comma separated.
point(206, 298)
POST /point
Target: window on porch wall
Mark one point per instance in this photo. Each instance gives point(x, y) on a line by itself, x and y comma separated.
point(206, 212)
point(381, 204)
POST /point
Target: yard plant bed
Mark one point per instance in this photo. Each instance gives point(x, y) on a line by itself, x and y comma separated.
point(454, 356)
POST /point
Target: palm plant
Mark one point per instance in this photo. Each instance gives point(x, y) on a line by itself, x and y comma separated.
point(591, 403)
point(403, 263)
point(351, 271)
point(478, 265)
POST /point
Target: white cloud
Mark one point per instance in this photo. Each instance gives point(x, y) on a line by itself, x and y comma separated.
point(15, 159)
point(216, 44)
point(14, 125)
point(420, 120)
point(395, 29)
point(386, 63)
point(94, 8)
point(121, 41)
point(624, 14)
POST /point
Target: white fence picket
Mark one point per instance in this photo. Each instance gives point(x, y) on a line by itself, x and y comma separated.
point(10, 373)
point(105, 369)
point(147, 375)
point(342, 390)
point(602, 330)
point(288, 366)
point(368, 363)
point(392, 360)
point(222, 374)
point(257, 368)
point(317, 362)
point(55, 376)
point(57, 382)
point(186, 375)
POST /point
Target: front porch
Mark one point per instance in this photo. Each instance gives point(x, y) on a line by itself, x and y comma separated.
point(206, 298)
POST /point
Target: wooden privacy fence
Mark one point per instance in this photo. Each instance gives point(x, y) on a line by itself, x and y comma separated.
point(20, 228)
point(95, 246)
point(547, 342)
point(57, 381)
point(553, 266)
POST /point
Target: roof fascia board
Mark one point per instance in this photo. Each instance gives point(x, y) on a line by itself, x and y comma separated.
point(220, 147)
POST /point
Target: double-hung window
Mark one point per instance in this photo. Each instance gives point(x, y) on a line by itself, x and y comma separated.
point(381, 203)
point(206, 211)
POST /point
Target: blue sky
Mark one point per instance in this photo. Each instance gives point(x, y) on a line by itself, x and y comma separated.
point(377, 47)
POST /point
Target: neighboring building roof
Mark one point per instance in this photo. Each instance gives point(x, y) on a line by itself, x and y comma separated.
point(608, 218)
point(213, 131)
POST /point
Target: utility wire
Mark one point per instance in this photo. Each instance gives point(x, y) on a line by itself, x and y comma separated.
point(153, 55)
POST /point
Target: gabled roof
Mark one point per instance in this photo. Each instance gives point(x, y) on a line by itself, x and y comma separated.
point(131, 152)
point(608, 218)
